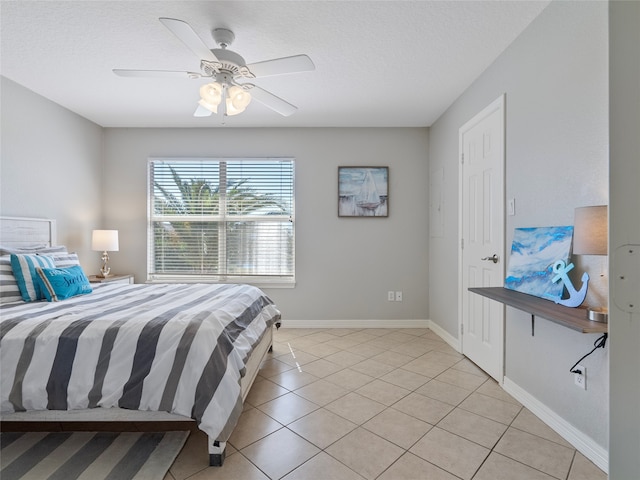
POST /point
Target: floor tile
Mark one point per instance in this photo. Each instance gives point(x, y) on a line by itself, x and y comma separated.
point(389, 404)
point(372, 368)
point(541, 454)
point(236, 467)
point(394, 359)
point(466, 365)
point(397, 427)
point(528, 422)
point(323, 467)
point(461, 379)
point(288, 408)
point(346, 359)
point(405, 379)
point(293, 379)
point(423, 366)
point(322, 427)
point(499, 467)
point(583, 469)
point(492, 408)
point(321, 368)
point(264, 390)
point(253, 425)
point(444, 392)
point(280, 453)
point(355, 408)
point(424, 408)
point(383, 392)
point(365, 452)
point(349, 379)
point(491, 388)
point(322, 392)
point(273, 366)
point(473, 427)
point(450, 452)
point(411, 467)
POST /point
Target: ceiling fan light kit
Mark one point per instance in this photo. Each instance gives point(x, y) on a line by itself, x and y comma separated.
point(225, 67)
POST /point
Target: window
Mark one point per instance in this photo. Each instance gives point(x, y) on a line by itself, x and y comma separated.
point(221, 219)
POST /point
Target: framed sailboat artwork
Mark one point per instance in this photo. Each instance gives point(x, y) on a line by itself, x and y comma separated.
point(363, 191)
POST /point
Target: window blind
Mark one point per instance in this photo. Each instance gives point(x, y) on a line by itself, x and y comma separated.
point(221, 219)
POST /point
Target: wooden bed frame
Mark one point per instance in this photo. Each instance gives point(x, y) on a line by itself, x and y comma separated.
point(20, 232)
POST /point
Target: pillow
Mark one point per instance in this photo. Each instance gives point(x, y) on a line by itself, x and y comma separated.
point(62, 283)
point(24, 269)
point(41, 248)
point(63, 260)
point(9, 291)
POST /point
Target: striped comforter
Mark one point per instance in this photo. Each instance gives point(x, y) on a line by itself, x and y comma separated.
point(172, 347)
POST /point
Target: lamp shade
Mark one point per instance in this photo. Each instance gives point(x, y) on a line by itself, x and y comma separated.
point(590, 231)
point(104, 240)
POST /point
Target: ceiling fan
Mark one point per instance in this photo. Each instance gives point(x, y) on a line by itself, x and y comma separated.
point(225, 68)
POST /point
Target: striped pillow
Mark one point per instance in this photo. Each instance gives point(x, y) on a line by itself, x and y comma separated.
point(24, 269)
point(63, 260)
point(9, 291)
point(41, 249)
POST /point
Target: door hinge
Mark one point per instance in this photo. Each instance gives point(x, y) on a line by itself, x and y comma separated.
point(462, 329)
point(462, 158)
point(462, 243)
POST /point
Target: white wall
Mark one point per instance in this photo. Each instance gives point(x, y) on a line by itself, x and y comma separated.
point(344, 266)
point(50, 167)
point(624, 25)
point(555, 79)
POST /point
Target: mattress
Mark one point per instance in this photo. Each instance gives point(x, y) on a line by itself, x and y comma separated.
point(178, 348)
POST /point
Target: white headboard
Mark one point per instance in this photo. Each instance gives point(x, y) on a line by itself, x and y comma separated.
point(17, 232)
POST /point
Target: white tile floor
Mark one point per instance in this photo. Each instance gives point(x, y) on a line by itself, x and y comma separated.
point(386, 404)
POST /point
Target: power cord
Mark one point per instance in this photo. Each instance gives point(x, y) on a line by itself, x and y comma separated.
point(599, 343)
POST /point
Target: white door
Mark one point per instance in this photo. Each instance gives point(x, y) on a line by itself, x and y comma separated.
point(482, 237)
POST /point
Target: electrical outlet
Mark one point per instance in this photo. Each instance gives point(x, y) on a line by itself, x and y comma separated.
point(398, 296)
point(580, 379)
point(391, 296)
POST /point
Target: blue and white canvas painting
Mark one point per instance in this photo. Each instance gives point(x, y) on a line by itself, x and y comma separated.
point(533, 254)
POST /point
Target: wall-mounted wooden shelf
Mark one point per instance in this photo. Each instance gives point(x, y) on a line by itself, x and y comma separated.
point(574, 318)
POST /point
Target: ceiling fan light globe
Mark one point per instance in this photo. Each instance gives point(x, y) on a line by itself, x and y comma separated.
point(209, 106)
point(239, 97)
point(231, 109)
point(211, 93)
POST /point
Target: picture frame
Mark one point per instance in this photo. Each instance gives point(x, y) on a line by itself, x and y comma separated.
point(363, 191)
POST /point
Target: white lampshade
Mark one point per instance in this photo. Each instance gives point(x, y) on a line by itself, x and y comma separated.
point(211, 96)
point(237, 100)
point(590, 231)
point(104, 240)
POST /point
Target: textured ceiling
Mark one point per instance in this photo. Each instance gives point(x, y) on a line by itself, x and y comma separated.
point(378, 63)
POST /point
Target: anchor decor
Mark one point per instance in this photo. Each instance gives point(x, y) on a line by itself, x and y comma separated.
point(576, 297)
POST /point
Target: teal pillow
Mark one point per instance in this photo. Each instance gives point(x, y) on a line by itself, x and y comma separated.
point(24, 269)
point(62, 283)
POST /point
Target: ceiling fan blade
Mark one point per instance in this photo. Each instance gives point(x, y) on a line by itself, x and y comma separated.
point(189, 37)
point(155, 73)
point(279, 66)
point(275, 103)
point(202, 112)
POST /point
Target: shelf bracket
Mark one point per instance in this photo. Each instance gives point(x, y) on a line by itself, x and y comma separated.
point(533, 325)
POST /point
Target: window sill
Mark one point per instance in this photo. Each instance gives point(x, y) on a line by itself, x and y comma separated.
point(261, 283)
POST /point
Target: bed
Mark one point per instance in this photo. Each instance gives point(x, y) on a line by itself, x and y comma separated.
point(140, 352)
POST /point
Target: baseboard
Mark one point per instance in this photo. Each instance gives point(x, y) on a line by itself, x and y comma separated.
point(446, 336)
point(417, 323)
point(583, 443)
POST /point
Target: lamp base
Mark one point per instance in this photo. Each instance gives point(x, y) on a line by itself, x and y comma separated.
point(598, 315)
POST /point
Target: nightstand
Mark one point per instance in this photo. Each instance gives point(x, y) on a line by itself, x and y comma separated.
point(112, 279)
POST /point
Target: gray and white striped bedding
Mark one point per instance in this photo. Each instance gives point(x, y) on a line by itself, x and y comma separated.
point(164, 347)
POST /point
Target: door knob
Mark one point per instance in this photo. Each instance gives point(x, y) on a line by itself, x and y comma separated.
point(493, 259)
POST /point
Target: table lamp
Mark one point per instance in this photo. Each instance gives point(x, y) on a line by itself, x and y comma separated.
point(104, 241)
point(590, 232)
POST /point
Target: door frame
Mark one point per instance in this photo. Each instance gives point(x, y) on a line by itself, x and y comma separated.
point(497, 104)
